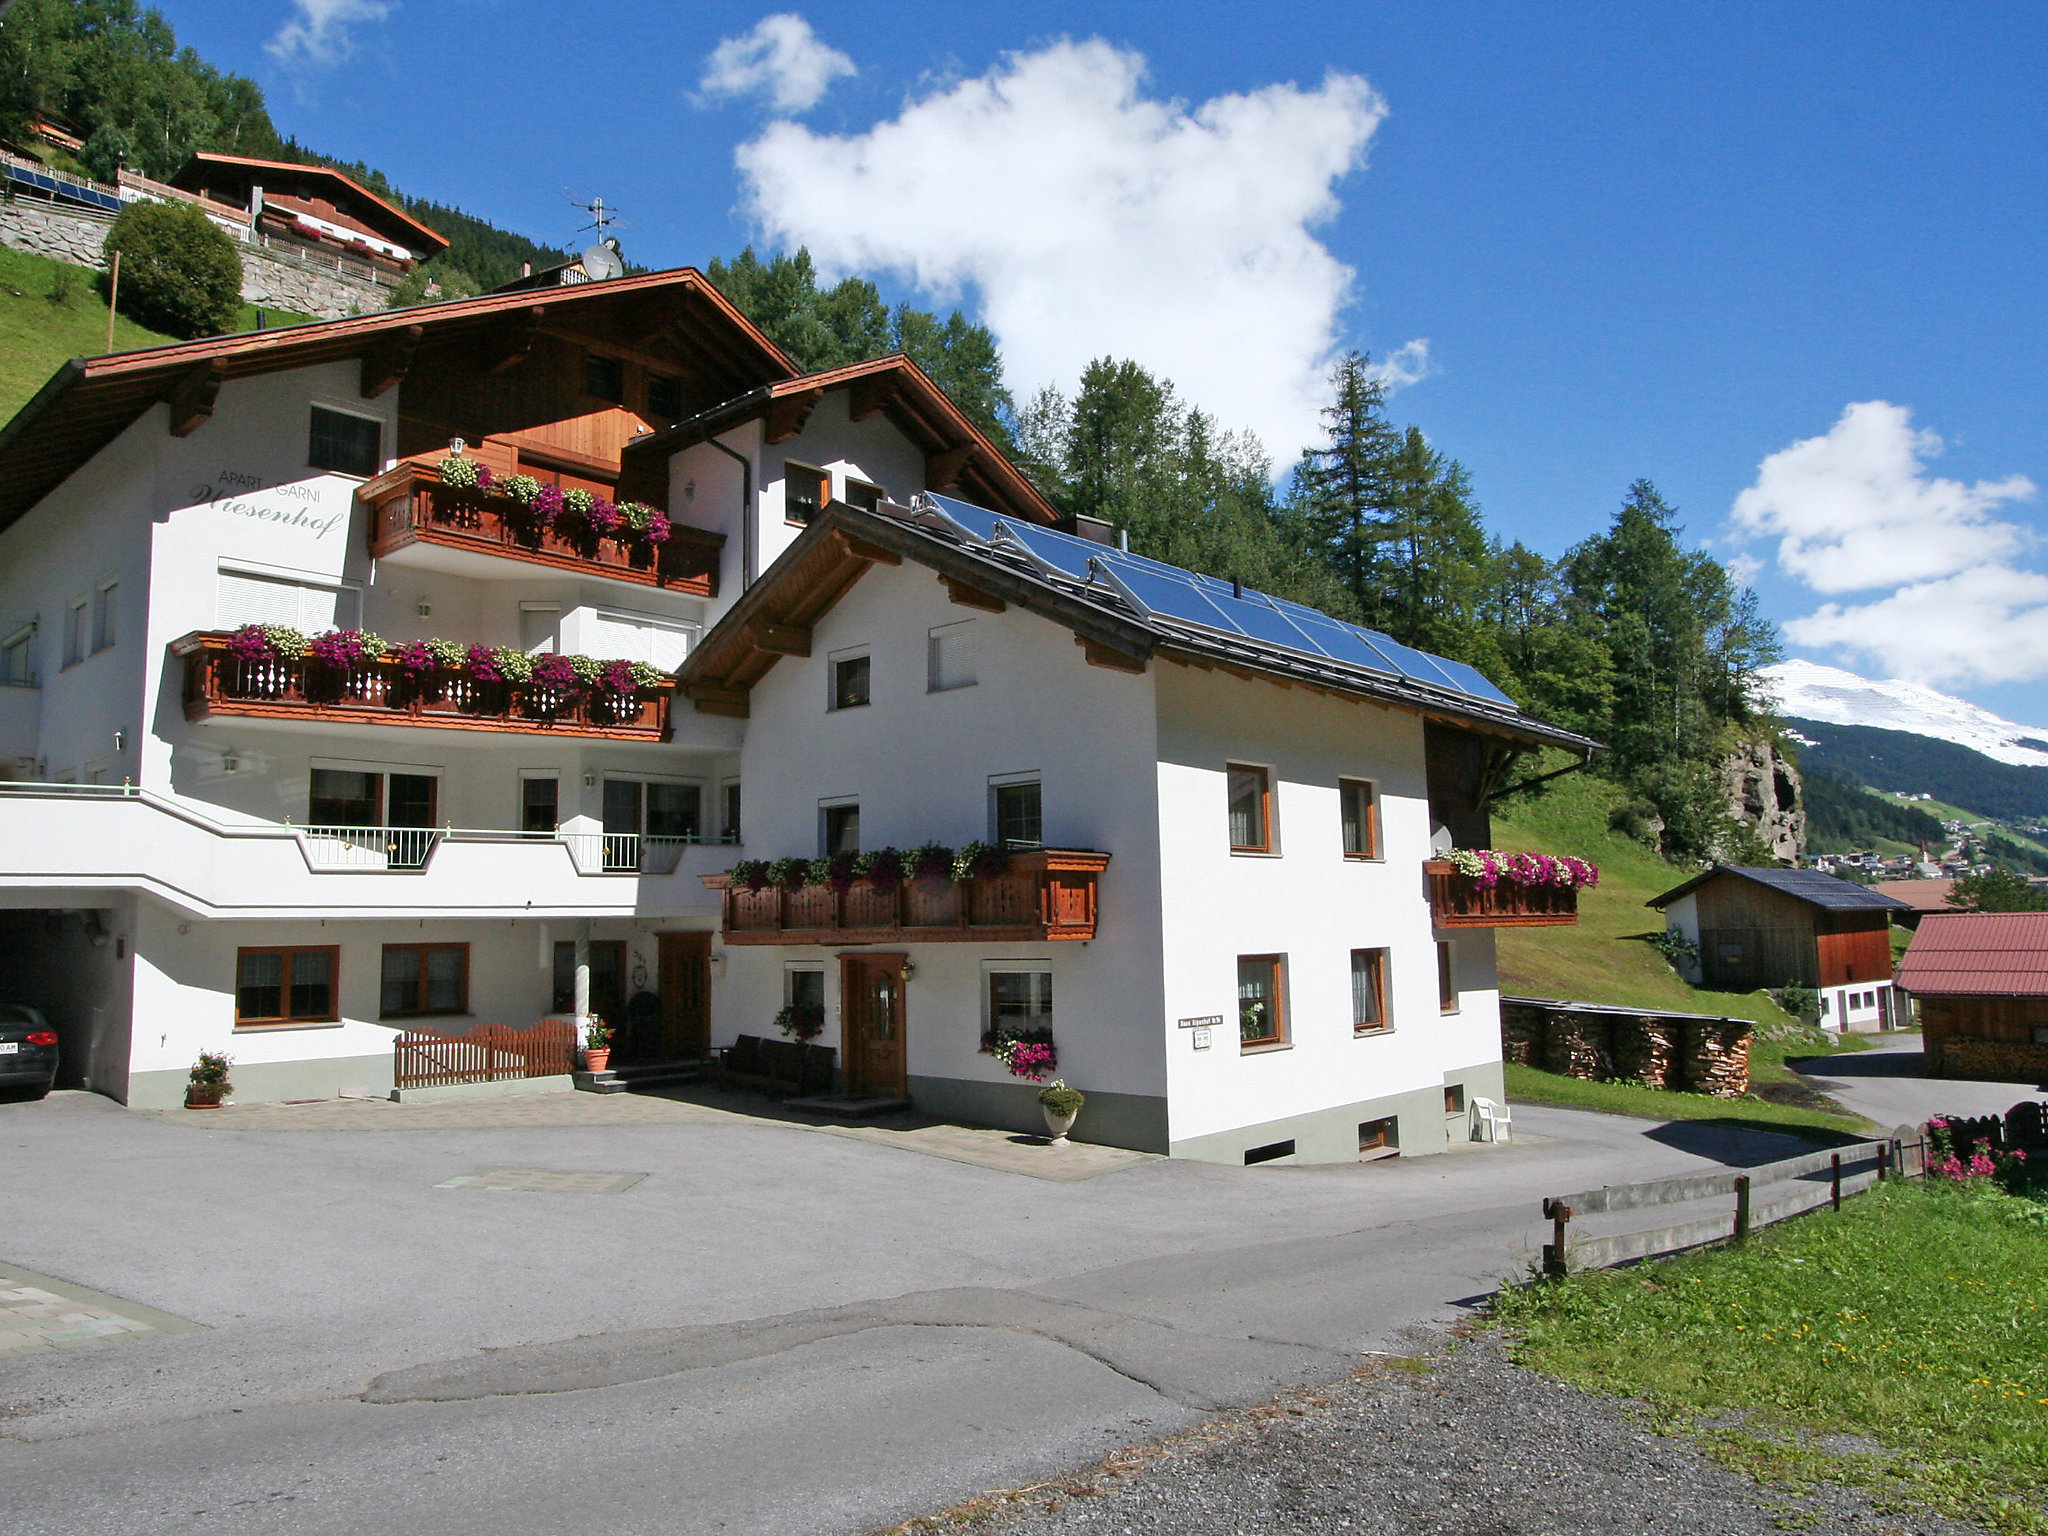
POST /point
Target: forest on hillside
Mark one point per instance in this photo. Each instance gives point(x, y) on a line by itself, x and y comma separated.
point(1629, 637)
point(1844, 817)
point(1908, 764)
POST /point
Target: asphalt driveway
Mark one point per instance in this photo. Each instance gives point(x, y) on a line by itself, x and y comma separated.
point(1884, 1084)
point(772, 1330)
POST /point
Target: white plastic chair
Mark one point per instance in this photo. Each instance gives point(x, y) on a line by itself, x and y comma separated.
point(1491, 1121)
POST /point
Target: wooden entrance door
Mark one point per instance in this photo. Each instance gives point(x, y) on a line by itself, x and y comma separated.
point(871, 1013)
point(685, 960)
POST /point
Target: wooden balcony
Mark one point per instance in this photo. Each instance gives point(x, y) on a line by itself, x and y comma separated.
point(219, 684)
point(1459, 901)
point(1048, 893)
point(410, 507)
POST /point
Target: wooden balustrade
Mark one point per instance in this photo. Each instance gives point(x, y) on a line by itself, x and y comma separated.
point(219, 683)
point(491, 1053)
point(1046, 893)
point(1460, 901)
point(410, 506)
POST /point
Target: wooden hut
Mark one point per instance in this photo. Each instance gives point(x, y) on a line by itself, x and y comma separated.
point(1981, 980)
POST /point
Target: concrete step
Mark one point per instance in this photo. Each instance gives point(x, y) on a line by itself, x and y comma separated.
point(848, 1106)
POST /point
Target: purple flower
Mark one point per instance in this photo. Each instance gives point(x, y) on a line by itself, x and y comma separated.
point(603, 517)
point(658, 529)
point(251, 643)
point(483, 665)
point(415, 658)
point(554, 671)
point(547, 506)
point(484, 478)
point(617, 677)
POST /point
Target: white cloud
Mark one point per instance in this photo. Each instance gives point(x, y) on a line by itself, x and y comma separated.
point(1092, 219)
point(781, 59)
point(319, 31)
point(1856, 509)
point(1406, 364)
point(1984, 625)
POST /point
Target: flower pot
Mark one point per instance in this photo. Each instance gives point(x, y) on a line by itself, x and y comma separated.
point(597, 1058)
point(1057, 1125)
point(205, 1095)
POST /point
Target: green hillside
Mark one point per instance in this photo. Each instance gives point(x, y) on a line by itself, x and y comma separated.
point(39, 336)
point(1604, 959)
point(1905, 763)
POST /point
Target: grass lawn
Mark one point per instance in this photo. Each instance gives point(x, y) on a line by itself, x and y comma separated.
point(38, 337)
point(1605, 958)
point(1916, 1318)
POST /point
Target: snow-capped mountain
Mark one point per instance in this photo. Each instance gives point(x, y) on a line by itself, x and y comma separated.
point(1805, 690)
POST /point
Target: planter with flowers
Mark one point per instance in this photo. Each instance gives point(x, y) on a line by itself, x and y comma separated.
point(1060, 1105)
point(208, 1086)
point(931, 893)
point(1485, 888)
point(597, 1045)
point(274, 670)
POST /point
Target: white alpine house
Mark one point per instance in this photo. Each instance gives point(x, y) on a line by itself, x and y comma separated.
point(339, 699)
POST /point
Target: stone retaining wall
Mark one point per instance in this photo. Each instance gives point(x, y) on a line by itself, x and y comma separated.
point(269, 278)
point(1688, 1052)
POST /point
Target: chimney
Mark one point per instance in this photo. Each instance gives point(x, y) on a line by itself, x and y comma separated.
point(526, 269)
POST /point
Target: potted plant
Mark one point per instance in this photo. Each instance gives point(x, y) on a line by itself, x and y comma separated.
point(209, 1084)
point(1060, 1104)
point(597, 1045)
point(803, 1023)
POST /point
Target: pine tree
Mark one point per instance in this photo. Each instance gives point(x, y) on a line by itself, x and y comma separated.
point(1342, 487)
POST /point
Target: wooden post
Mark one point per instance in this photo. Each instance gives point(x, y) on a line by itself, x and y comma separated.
point(1835, 1180)
point(1884, 1160)
point(1742, 1207)
point(113, 296)
point(1554, 1261)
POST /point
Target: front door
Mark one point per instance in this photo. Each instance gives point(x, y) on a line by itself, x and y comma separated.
point(685, 996)
point(871, 1013)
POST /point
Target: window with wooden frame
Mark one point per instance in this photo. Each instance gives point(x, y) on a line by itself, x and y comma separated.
point(1454, 1098)
point(806, 491)
point(1261, 1002)
point(1379, 1138)
point(864, 496)
point(1360, 808)
point(540, 802)
point(1016, 807)
point(105, 614)
point(1369, 991)
point(286, 985)
point(1446, 978)
point(839, 828)
point(425, 979)
point(604, 377)
point(665, 396)
point(1251, 809)
point(75, 620)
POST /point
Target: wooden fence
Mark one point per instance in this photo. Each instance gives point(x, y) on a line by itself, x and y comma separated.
point(426, 1058)
point(1817, 1179)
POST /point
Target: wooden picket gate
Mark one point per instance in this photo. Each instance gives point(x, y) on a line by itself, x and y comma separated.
point(490, 1053)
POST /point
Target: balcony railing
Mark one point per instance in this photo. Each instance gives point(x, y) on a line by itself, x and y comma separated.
point(410, 850)
point(409, 505)
point(382, 693)
point(1047, 893)
point(1460, 901)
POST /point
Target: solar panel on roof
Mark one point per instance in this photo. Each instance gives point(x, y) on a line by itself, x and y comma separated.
point(1190, 597)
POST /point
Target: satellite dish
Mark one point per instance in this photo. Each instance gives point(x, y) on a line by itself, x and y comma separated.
point(602, 261)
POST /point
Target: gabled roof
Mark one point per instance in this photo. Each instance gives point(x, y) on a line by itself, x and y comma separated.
point(206, 169)
point(1920, 895)
point(775, 616)
point(1808, 885)
point(958, 454)
point(1978, 954)
point(90, 401)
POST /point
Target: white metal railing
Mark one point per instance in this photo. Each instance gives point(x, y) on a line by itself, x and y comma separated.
point(332, 849)
point(628, 853)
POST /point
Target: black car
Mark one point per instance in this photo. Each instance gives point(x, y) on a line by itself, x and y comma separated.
point(28, 1050)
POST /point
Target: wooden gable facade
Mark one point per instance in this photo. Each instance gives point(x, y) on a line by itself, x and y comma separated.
point(1753, 936)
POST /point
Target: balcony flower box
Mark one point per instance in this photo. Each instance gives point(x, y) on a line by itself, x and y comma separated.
point(349, 678)
point(1484, 889)
point(1036, 895)
point(516, 517)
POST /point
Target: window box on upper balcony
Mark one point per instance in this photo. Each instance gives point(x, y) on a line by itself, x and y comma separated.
point(453, 515)
point(1479, 888)
point(267, 672)
point(986, 896)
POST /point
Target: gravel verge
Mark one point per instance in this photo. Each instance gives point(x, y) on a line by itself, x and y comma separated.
point(1452, 1439)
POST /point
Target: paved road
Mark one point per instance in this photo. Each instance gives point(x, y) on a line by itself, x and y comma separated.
point(1885, 1085)
point(774, 1331)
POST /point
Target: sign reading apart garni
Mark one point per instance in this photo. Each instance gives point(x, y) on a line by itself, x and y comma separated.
point(1206, 1021)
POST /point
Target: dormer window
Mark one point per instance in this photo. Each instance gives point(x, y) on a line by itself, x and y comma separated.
point(806, 491)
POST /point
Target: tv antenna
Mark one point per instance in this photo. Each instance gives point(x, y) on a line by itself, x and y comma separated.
point(602, 260)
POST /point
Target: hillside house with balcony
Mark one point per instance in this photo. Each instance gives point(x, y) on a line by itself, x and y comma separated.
point(1771, 927)
point(461, 666)
point(213, 840)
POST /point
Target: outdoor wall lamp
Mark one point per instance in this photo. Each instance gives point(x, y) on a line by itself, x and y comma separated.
point(909, 969)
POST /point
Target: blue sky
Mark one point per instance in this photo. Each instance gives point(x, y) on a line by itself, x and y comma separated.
point(1637, 241)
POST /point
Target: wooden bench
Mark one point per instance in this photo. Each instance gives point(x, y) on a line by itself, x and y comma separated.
point(776, 1066)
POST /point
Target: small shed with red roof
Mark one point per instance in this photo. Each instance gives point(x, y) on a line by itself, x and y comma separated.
point(1981, 980)
point(312, 205)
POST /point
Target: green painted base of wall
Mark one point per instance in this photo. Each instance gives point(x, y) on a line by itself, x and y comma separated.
point(1129, 1120)
point(272, 1082)
point(510, 1087)
point(1331, 1135)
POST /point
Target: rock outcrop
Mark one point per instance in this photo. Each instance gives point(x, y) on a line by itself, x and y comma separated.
point(1766, 795)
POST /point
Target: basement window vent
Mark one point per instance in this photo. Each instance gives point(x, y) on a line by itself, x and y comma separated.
point(1271, 1152)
